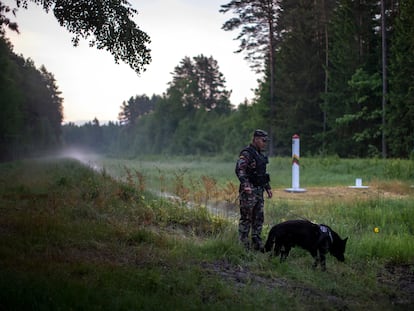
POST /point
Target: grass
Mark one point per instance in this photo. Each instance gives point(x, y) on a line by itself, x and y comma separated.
point(74, 238)
point(331, 171)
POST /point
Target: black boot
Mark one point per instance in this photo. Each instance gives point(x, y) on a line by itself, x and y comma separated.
point(257, 244)
point(245, 242)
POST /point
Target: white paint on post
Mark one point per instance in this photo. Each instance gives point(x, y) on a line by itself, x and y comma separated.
point(295, 165)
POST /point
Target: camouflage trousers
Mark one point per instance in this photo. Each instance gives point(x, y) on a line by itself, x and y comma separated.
point(251, 217)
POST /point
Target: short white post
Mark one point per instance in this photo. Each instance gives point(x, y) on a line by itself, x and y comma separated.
point(295, 165)
point(358, 184)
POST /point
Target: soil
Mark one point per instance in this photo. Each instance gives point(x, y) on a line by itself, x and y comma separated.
point(345, 193)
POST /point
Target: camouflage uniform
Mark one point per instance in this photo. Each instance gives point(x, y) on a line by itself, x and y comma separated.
point(251, 171)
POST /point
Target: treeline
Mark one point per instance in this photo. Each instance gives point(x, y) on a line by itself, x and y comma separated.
point(323, 82)
point(327, 85)
point(31, 106)
point(194, 116)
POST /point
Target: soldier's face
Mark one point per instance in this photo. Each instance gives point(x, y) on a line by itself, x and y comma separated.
point(261, 143)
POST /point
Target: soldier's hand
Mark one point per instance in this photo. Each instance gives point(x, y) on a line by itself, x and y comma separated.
point(269, 193)
point(247, 188)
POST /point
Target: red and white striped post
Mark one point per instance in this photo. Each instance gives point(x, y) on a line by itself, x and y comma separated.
point(295, 165)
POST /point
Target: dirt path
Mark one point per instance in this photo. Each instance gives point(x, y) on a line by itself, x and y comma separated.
point(376, 190)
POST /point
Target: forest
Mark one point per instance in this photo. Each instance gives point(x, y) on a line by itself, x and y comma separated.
point(322, 78)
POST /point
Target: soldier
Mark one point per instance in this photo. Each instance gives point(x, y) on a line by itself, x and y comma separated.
point(251, 171)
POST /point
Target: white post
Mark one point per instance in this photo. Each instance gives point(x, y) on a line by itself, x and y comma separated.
point(295, 165)
point(295, 161)
point(358, 184)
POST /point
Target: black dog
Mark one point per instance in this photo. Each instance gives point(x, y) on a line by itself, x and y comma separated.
point(311, 237)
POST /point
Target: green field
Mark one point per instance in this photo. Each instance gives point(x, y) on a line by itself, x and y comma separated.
point(141, 235)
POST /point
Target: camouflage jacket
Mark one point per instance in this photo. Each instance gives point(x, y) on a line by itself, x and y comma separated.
point(251, 168)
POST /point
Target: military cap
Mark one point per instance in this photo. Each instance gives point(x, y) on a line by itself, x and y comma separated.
point(260, 133)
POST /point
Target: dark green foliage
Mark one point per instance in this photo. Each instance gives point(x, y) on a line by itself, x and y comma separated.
point(300, 74)
point(401, 105)
point(198, 84)
point(108, 24)
point(31, 103)
point(11, 104)
point(354, 85)
point(135, 108)
point(92, 136)
point(364, 117)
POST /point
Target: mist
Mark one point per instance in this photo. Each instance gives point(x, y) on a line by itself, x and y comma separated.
point(83, 155)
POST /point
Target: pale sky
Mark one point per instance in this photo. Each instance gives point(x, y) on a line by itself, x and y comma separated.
point(92, 85)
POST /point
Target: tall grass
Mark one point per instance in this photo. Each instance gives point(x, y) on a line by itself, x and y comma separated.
point(330, 171)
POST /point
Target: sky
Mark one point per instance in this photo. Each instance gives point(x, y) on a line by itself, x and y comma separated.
point(93, 86)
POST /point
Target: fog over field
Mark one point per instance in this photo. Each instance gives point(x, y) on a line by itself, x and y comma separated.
point(89, 158)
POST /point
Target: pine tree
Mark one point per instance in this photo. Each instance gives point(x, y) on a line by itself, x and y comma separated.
point(198, 84)
point(300, 73)
point(355, 46)
point(400, 113)
point(257, 21)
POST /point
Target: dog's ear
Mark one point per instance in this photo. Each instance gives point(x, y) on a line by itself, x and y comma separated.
point(345, 240)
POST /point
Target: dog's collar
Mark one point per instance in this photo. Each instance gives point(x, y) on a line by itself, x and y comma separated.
point(327, 231)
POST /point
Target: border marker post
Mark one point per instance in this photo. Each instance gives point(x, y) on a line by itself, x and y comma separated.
point(358, 184)
point(295, 165)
